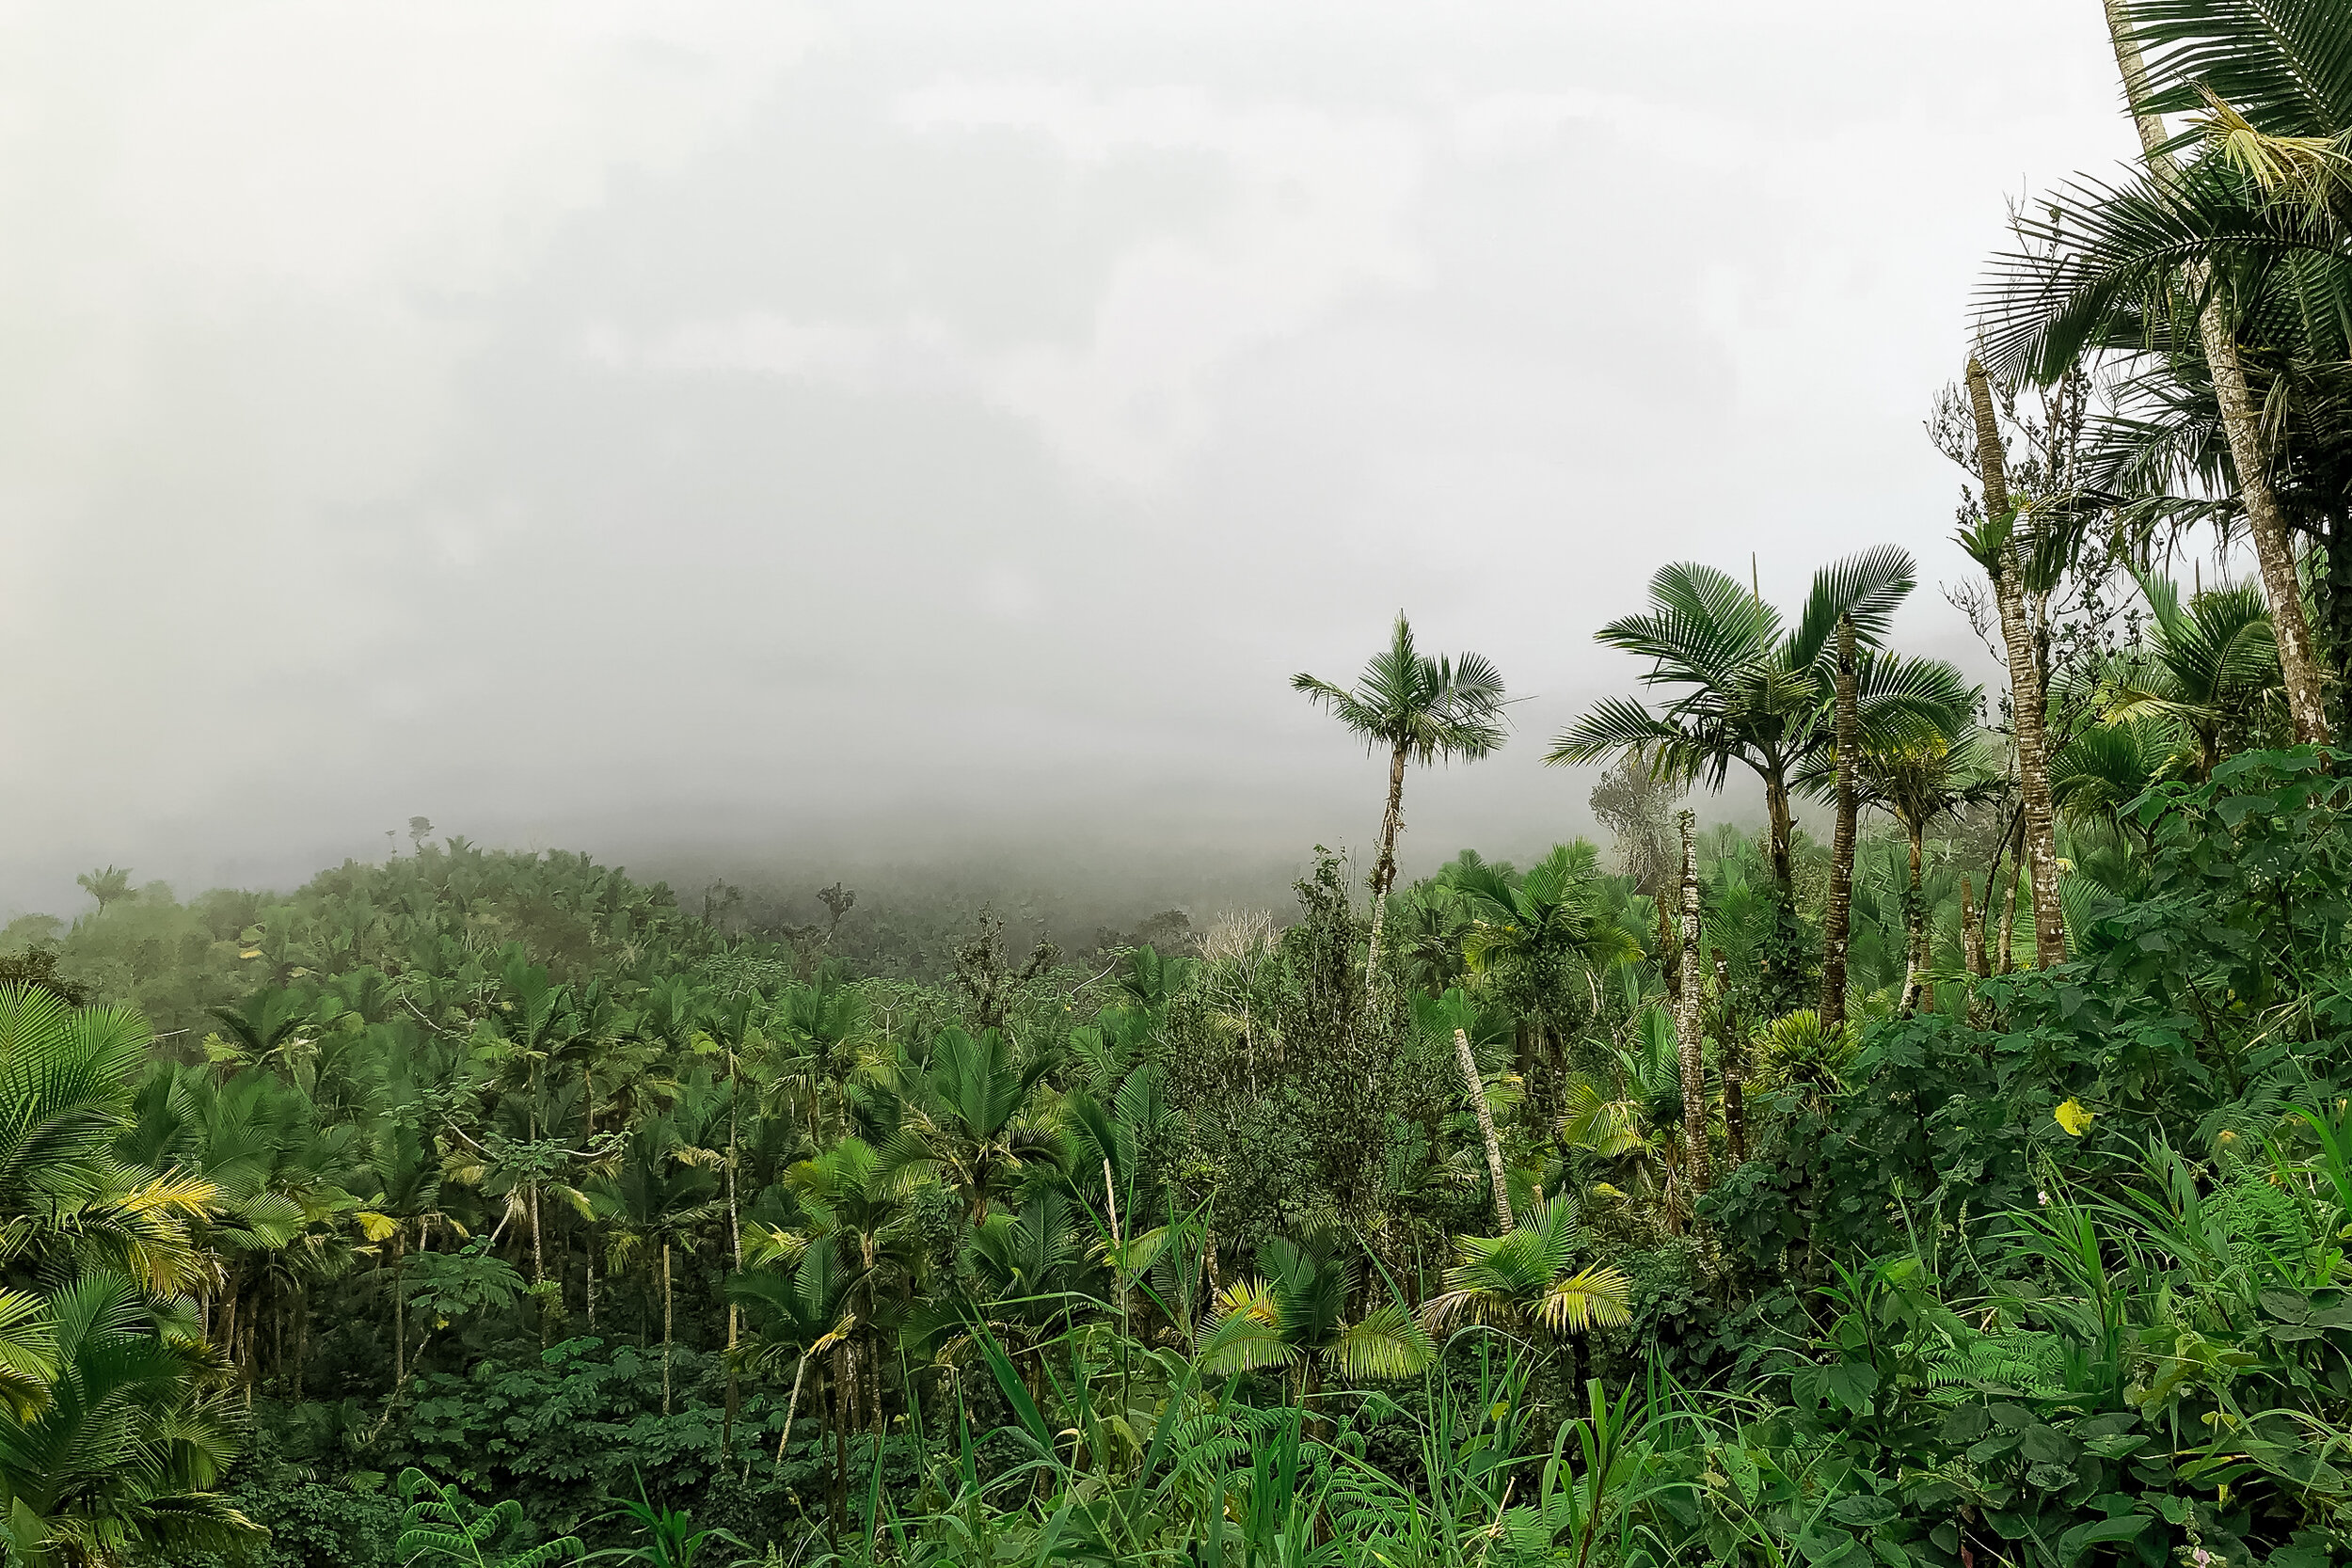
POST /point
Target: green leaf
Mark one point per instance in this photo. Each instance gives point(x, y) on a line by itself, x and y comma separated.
point(2098, 1532)
point(1862, 1510)
point(2288, 1306)
point(1852, 1384)
point(2047, 1445)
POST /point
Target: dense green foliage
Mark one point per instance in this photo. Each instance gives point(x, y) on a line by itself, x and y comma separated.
point(1970, 1189)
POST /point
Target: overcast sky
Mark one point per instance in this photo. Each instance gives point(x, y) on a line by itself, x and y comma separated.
point(750, 435)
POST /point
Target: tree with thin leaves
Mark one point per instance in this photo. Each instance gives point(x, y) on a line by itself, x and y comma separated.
point(1422, 708)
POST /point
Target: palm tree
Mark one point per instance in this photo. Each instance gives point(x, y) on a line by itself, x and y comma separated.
point(270, 1028)
point(1625, 1116)
point(68, 1200)
point(2250, 240)
point(1293, 1314)
point(1539, 938)
point(1422, 709)
point(128, 1445)
point(799, 1304)
point(2205, 668)
point(656, 1201)
point(1747, 689)
point(967, 1123)
point(1521, 1281)
point(856, 1201)
point(105, 886)
point(1919, 781)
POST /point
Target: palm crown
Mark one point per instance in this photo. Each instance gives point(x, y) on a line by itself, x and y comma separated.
point(1428, 707)
point(1748, 689)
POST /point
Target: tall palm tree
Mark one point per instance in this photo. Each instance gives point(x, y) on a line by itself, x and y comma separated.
point(655, 1202)
point(2246, 245)
point(1918, 780)
point(1423, 709)
point(1746, 688)
point(105, 886)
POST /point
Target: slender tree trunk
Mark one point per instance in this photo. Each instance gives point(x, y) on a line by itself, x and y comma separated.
point(2241, 424)
point(734, 1234)
point(1972, 948)
point(2008, 926)
point(668, 1323)
point(1384, 873)
point(1838, 920)
point(791, 1409)
point(588, 1232)
point(1669, 949)
point(1734, 1066)
point(1915, 924)
point(1687, 1018)
point(2026, 698)
point(1477, 1086)
point(1783, 833)
point(873, 1382)
point(400, 1307)
point(840, 1390)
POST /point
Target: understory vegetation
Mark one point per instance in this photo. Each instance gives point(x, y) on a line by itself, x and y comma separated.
point(1965, 1182)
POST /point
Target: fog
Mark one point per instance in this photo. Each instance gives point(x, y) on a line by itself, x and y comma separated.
point(782, 443)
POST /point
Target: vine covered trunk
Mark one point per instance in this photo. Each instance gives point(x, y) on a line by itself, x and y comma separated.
point(1477, 1086)
point(1687, 1045)
point(1383, 872)
point(2026, 700)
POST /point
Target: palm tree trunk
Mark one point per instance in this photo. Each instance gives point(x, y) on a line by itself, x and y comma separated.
point(1669, 950)
point(1477, 1086)
point(873, 1383)
point(840, 1391)
point(1784, 832)
point(400, 1307)
point(1838, 920)
point(735, 1232)
point(1972, 947)
point(1915, 924)
point(1735, 1069)
point(2008, 926)
point(668, 1322)
point(792, 1409)
point(2027, 701)
point(1687, 1018)
point(2241, 424)
point(1384, 871)
point(588, 1231)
